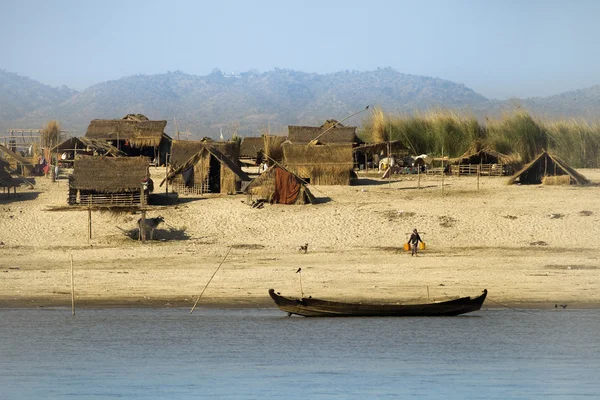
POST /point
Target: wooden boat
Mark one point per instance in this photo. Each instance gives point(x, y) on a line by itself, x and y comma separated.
point(309, 307)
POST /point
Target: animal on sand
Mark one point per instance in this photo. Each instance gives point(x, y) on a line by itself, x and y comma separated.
point(150, 224)
point(304, 248)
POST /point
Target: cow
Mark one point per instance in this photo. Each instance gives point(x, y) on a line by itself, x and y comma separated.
point(151, 224)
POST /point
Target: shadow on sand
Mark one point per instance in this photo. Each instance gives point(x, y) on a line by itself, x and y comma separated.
point(160, 235)
point(371, 182)
point(5, 198)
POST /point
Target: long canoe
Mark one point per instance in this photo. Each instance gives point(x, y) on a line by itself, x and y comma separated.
point(309, 307)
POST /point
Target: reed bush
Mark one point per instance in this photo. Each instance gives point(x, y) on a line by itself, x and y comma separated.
point(516, 134)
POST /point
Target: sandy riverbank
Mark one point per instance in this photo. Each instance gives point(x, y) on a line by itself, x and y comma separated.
point(531, 246)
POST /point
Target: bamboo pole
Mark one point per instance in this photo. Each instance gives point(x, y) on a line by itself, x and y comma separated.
point(442, 169)
point(89, 224)
point(72, 289)
point(478, 173)
point(419, 176)
point(211, 278)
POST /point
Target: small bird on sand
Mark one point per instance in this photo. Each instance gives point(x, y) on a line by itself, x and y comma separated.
point(563, 306)
point(299, 269)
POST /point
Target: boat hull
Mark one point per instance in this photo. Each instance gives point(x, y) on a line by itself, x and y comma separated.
point(309, 307)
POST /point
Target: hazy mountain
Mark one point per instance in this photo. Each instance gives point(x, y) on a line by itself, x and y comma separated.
point(20, 95)
point(252, 101)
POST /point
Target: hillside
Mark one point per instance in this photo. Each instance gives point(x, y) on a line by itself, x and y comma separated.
point(252, 101)
point(20, 95)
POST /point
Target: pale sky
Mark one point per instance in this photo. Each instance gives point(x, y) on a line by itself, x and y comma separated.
point(499, 48)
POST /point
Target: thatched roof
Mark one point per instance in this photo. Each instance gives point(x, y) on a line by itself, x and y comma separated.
point(109, 174)
point(480, 153)
point(338, 134)
point(221, 157)
point(331, 164)
point(265, 186)
point(251, 146)
point(546, 164)
point(138, 132)
point(183, 150)
point(374, 148)
point(8, 154)
point(83, 143)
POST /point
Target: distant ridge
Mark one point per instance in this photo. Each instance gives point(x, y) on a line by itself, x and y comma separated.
point(251, 101)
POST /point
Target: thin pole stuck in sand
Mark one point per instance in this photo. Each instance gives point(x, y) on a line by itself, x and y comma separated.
point(72, 289)
point(213, 275)
point(301, 290)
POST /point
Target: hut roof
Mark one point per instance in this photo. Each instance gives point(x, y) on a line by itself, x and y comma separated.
point(138, 132)
point(338, 134)
point(220, 156)
point(266, 186)
point(109, 174)
point(383, 146)
point(15, 156)
point(480, 152)
point(538, 167)
point(183, 150)
point(319, 155)
point(251, 146)
point(82, 143)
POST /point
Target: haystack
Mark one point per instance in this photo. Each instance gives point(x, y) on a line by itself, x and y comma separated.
point(280, 186)
point(135, 135)
point(320, 164)
point(207, 171)
point(547, 165)
point(108, 180)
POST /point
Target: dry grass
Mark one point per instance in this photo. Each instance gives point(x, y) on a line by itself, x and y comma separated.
point(50, 134)
point(557, 180)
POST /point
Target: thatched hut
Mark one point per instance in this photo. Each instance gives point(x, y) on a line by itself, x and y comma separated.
point(183, 150)
point(548, 169)
point(207, 171)
point(279, 186)
point(108, 181)
point(320, 164)
point(76, 147)
point(369, 154)
point(16, 162)
point(135, 135)
point(331, 132)
point(483, 158)
point(260, 149)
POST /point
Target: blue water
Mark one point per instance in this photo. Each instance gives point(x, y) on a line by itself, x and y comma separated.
point(262, 354)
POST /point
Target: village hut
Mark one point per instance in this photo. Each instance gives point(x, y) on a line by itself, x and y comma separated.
point(320, 164)
point(277, 185)
point(183, 150)
point(117, 181)
point(16, 162)
point(260, 149)
point(548, 169)
point(207, 171)
point(76, 147)
point(369, 154)
point(135, 135)
point(483, 158)
point(331, 132)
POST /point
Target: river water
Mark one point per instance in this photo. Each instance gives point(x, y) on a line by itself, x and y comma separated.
point(262, 354)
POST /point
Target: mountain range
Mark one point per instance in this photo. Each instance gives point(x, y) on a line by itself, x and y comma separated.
point(252, 102)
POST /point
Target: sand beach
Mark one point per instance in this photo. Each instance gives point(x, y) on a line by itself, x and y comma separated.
point(530, 246)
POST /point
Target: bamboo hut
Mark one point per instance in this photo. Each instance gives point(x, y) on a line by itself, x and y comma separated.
point(108, 181)
point(75, 147)
point(482, 158)
point(135, 135)
point(183, 150)
point(548, 169)
point(277, 185)
point(326, 134)
point(369, 154)
point(207, 171)
point(320, 164)
point(16, 162)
